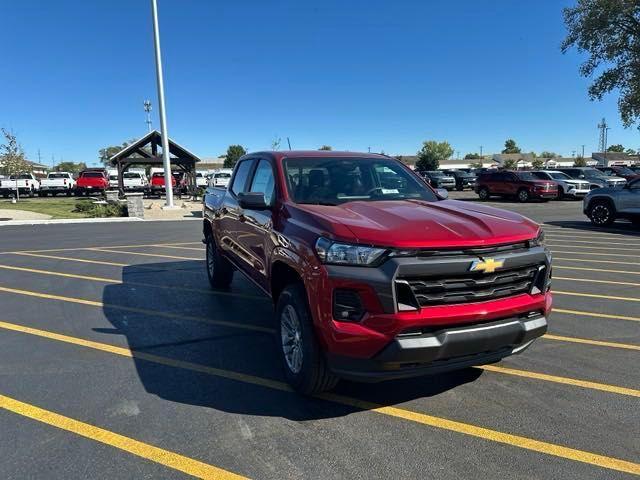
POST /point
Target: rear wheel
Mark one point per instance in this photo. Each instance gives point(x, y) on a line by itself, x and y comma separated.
point(602, 214)
point(219, 270)
point(523, 195)
point(483, 193)
point(303, 361)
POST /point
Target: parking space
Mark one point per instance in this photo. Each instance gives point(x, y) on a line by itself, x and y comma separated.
point(113, 346)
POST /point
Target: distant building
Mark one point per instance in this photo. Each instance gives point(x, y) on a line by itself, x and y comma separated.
point(604, 159)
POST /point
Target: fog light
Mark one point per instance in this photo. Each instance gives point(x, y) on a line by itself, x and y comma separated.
point(347, 305)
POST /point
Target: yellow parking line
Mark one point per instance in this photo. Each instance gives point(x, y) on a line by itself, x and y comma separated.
point(616, 255)
point(144, 311)
point(594, 295)
point(584, 247)
point(588, 341)
point(81, 260)
point(596, 314)
point(136, 284)
point(572, 239)
point(128, 252)
point(564, 267)
point(563, 380)
point(155, 454)
point(101, 246)
point(517, 441)
point(593, 280)
point(179, 248)
point(588, 260)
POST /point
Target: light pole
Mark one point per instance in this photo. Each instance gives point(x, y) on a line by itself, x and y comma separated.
point(163, 118)
point(480, 152)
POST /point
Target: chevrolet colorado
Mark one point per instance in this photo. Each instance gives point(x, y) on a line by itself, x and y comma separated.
point(375, 275)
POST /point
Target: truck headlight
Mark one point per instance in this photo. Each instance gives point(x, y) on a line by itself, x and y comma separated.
point(538, 241)
point(347, 254)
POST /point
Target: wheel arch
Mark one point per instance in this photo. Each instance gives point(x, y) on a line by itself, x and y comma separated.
point(283, 274)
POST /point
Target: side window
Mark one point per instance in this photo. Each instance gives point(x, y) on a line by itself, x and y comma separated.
point(241, 177)
point(263, 181)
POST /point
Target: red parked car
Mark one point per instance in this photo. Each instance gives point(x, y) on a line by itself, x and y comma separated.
point(91, 181)
point(157, 186)
point(375, 275)
point(523, 186)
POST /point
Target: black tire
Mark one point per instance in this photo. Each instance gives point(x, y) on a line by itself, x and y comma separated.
point(310, 374)
point(219, 270)
point(483, 194)
point(523, 195)
point(602, 213)
point(635, 221)
point(42, 194)
point(69, 193)
point(459, 188)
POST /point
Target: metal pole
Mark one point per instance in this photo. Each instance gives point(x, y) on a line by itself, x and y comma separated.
point(163, 119)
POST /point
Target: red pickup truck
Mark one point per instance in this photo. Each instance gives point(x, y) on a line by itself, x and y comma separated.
point(375, 275)
point(91, 181)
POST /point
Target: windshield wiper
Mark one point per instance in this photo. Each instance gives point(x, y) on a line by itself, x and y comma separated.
point(330, 204)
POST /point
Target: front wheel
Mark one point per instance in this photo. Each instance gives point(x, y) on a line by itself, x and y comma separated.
point(483, 193)
point(303, 361)
point(602, 214)
point(523, 196)
point(219, 270)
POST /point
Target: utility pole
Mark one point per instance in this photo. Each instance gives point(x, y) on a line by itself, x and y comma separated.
point(161, 110)
point(147, 109)
point(582, 151)
point(480, 152)
point(369, 149)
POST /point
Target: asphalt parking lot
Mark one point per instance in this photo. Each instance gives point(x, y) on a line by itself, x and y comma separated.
point(117, 361)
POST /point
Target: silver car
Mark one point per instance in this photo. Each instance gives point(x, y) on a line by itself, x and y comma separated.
point(604, 206)
point(567, 186)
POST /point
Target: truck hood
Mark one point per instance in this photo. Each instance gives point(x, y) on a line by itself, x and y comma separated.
point(420, 224)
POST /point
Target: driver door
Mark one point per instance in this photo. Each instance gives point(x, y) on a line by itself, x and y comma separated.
point(629, 198)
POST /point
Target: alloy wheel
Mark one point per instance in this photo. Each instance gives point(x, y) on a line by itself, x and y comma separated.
point(291, 336)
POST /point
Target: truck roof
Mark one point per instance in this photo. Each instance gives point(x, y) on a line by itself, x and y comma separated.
point(279, 155)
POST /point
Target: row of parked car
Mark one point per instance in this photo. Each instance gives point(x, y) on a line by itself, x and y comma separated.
point(97, 180)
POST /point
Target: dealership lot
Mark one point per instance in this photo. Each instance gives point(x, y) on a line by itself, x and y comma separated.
point(117, 361)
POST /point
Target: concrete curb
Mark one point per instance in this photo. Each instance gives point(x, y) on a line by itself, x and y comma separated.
point(63, 221)
point(58, 221)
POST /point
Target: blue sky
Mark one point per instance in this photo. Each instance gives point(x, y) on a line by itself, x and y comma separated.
point(351, 74)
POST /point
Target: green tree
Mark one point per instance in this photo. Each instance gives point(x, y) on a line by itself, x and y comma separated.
point(609, 32)
point(630, 151)
point(12, 160)
point(546, 154)
point(104, 154)
point(615, 148)
point(510, 146)
point(537, 163)
point(326, 147)
point(431, 154)
point(475, 164)
point(510, 164)
point(71, 167)
point(472, 156)
point(234, 152)
point(580, 161)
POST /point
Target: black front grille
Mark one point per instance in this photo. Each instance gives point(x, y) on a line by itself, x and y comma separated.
point(471, 287)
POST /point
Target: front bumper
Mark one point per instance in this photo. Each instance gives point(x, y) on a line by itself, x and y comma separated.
point(392, 317)
point(443, 350)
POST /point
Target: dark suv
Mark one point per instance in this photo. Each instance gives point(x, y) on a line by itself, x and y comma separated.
point(463, 179)
point(523, 186)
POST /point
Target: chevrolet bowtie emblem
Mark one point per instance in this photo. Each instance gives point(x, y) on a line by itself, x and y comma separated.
point(488, 265)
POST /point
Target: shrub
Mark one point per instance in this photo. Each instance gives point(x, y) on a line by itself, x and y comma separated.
point(100, 210)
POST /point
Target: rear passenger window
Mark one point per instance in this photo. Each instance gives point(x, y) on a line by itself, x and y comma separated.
point(263, 181)
point(242, 175)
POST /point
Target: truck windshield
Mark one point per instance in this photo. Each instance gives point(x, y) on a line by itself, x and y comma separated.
point(332, 181)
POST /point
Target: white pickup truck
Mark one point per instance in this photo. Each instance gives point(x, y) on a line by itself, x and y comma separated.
point(135, 182)
point(57, 183)
point(25, 183)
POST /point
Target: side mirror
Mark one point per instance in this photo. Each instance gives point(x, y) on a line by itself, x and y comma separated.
point(442, 192)
point(252, 201)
